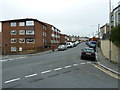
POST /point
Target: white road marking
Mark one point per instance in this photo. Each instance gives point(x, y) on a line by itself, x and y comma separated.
point(31, 75)
point(68, 66)
point(57, 69)
point(12, 80)
point(21, 57)
point(82, 63)
point(3, 60)
point(88, 62)
point(75, 64)
point(45, 71)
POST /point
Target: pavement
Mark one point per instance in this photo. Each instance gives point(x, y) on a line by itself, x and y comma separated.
point(26, 55)
point(105, 63)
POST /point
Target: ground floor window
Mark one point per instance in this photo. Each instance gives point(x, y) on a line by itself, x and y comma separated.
point(20, 49)
point(13, 49)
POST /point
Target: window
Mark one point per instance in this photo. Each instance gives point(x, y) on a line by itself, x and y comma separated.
point(21, 40)
point(21, 23)
point(20, 49)
point(44, 27)
point(13, 49)
point(13, 32)
point(52, 28)
point(21, 32)
point(13, 24)
point(30, 40)
point(29, 23)
point(43, 41)
point(29, 32)
point(13, 40)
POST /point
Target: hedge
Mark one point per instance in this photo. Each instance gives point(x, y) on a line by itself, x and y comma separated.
point(115, 35)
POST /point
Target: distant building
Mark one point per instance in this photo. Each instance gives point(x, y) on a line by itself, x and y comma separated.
point(115, 16)
point(0, 43)
point(104, 30)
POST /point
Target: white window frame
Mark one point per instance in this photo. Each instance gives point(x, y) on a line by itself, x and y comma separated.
point(13, 24)
point(13, 49)
point(28, 33)
point(21, 33)
point(29, 23)
point(14, 39)
point(20, 49)
point(21, 39)
point(12, 33)
point(21, 23)
point(30, 42)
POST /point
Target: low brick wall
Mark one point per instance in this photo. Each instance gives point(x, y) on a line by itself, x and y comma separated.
point(115, 51)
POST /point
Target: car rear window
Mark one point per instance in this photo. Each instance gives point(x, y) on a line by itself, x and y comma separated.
point(89, 50)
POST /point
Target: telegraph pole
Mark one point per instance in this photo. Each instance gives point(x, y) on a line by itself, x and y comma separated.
point(110, 28)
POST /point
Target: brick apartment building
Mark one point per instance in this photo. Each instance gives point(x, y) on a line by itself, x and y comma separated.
point(53, 35)
point(23, 34)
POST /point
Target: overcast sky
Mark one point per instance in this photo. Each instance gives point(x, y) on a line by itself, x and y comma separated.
point(72, 17)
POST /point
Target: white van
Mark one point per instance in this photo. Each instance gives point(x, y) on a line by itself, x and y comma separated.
point(69, 44)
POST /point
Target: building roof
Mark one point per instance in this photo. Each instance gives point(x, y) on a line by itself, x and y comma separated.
point(23, 20)
point(116, 8)
point(107, 24)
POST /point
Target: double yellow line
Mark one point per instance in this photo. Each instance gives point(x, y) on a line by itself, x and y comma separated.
point(106, 71)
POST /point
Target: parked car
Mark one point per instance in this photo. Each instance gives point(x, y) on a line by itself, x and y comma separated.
point(88, 53)
point(62, 47)
point(92, 44)
point(69, 44)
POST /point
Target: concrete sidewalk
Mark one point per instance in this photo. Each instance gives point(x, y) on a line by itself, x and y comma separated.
point(105, 63)
point(26, 55)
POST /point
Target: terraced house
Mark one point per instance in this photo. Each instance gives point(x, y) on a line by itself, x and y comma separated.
point(21, 35)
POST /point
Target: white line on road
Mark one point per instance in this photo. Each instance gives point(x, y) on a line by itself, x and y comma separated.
point(68, 66)
point(82, 63)
point(12, 80)
point(88, 62)
point(75, 64)
point(45, 71)
point(57, 69)
point(31, 75)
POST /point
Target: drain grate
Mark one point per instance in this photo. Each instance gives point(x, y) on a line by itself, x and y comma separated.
point(36, 80)
point(66, 72)
point(53, 75)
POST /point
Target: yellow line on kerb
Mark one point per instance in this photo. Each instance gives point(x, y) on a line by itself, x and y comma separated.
point(108, 72)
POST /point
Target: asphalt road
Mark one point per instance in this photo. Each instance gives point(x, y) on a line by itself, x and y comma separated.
point(63, 69)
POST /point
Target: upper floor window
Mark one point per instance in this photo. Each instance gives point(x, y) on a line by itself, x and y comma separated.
point(44, 27)
point(21, 32)
point(21, 23)
point(52, 28)
point(13, 24)
point(30, 40)
point(21, 40)
point(13, 32)
point(29, 32)
point(29, 23)
point(13, 40)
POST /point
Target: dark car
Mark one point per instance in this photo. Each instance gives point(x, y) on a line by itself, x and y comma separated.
point(88, 53)
point(92, 44)
point(62, 47)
